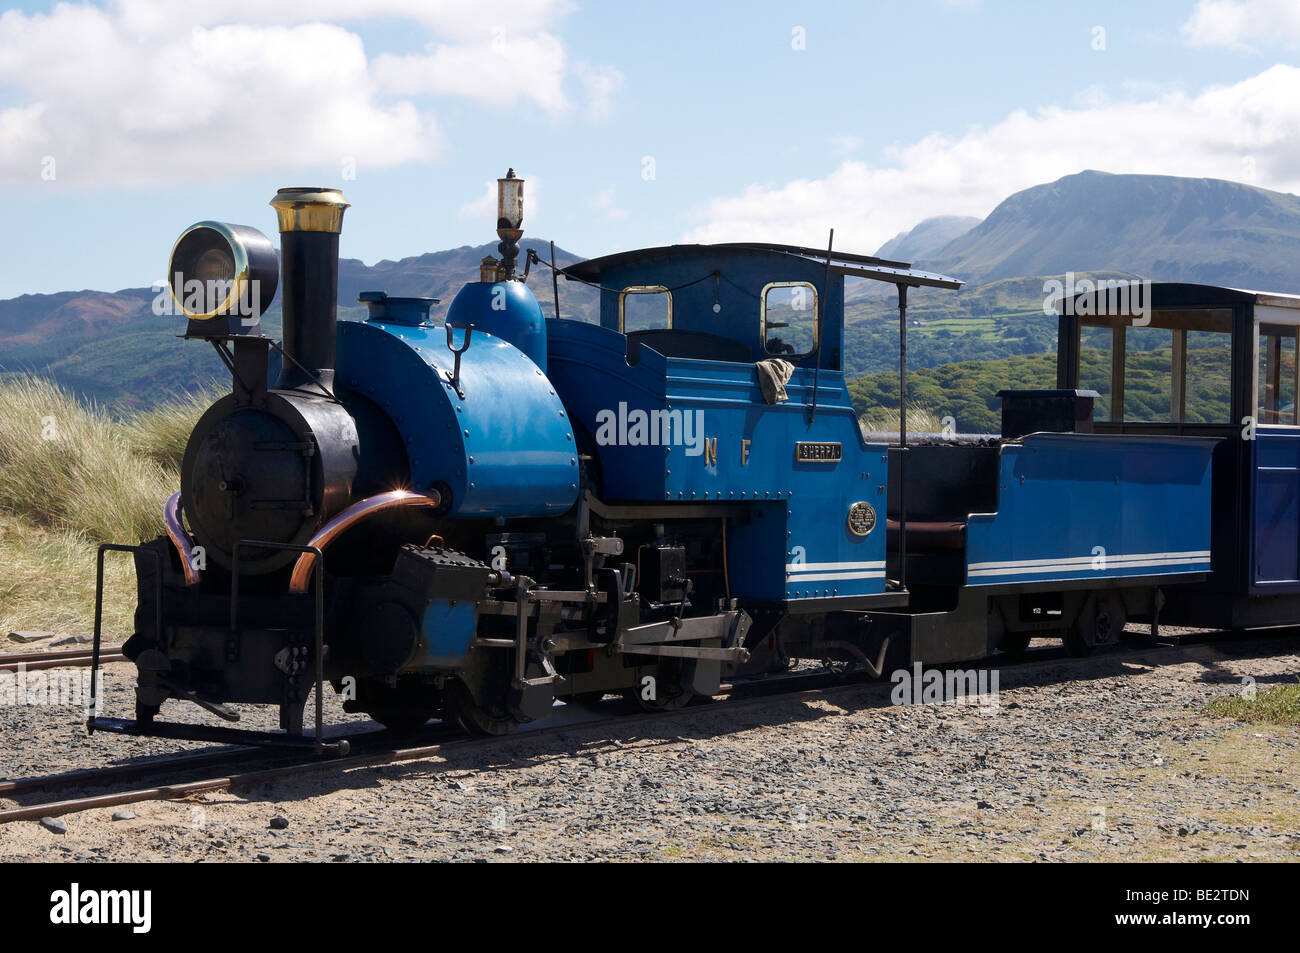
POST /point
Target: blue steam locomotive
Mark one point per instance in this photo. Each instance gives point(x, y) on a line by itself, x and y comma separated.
point(476, 519)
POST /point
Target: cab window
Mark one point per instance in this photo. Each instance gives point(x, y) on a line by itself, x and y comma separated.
point(789, 319)
point(644, 307)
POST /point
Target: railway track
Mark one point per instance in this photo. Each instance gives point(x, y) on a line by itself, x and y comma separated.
point(453, 739)
point(232, 768)
point(375, 748)
point(71, 658)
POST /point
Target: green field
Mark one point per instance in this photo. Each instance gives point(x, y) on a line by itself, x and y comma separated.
point(967, 390)
point(998, 320)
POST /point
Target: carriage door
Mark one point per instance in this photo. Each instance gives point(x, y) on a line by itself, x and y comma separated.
point(1275, 496)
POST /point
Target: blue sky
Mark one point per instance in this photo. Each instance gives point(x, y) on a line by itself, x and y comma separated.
point(123, 122)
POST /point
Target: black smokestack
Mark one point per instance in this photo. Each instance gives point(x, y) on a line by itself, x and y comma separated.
point(310, 223)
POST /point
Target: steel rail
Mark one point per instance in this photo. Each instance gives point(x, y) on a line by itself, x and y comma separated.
point(7, 657)
point(37, 661)
point(158, 767)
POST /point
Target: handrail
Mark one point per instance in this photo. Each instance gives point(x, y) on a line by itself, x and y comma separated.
point(180, 539)
point(351, 516)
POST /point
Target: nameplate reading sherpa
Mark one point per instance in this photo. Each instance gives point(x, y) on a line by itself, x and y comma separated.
point(808, 452)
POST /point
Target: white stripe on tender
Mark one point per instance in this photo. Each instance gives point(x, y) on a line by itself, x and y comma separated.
point(1188, 560)
point(1110, 566)
point(1086, 561)
point(1048, 570)
point(830, 576)
point(822, 567)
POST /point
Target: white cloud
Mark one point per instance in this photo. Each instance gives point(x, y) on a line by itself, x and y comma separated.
point(1224, 132)
point(484, 208)
point(494, 71)
point(845, 145)
point(1234, 23)
point(602, 84)
point(145, 92)
point(460, 19)
point(604, 204)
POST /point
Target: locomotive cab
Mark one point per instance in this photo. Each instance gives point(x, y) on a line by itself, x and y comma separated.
point(712, 393)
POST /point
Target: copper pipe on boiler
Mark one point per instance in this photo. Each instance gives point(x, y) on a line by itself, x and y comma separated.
point(358, 511)
point(180, 539)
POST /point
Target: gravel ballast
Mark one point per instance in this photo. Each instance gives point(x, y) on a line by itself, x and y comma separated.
point(1102, 759)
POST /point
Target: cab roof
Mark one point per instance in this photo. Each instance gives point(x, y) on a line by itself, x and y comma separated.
point(841, 263)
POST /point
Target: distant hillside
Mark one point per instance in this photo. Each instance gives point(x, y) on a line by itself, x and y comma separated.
point(441, 274)
point(112, 348)
point(31, 319)
point(927, 239)
point(979, 322)
point(967, 391)
point(1158, 226)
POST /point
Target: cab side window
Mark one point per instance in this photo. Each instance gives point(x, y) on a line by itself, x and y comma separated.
point(789, 319)
point(644, 307)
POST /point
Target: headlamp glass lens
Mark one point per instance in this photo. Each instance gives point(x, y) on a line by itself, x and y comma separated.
point(203, 272)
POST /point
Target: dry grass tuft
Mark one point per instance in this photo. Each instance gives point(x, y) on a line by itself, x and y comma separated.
point(160, 434)
point(72, 477)
point(885, 420)
point(48, 582)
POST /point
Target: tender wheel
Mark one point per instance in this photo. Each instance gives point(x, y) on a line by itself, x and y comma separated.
point(1075, 644)
point(1100, 622)
point(475, 718)
point(660, 703)
point(665, 693)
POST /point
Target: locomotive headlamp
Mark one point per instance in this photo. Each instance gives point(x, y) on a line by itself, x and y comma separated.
point(510, 219)
point(223, 271)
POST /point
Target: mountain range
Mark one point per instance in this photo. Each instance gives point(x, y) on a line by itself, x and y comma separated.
point(112, 348)
point(926, 239)
point(1162, 227)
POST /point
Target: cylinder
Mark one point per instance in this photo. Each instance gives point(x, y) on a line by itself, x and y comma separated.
point(310, 222)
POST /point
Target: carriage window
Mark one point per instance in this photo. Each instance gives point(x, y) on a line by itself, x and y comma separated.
point(789, 319)
point(1208, 392)
point(1149, 395)
point(1176, 368)
point(1277, 374)
point(1094, 367)
point(644, 307)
